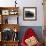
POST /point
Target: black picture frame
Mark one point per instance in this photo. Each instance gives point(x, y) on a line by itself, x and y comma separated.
point(29, 13)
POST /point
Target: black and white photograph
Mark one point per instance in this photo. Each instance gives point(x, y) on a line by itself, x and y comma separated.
point(29, 13)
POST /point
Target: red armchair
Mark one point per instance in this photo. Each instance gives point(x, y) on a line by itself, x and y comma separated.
point(30, 38)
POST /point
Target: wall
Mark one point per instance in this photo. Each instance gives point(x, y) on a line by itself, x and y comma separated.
point(44, 12)
point(34, 3)
point(27, 3)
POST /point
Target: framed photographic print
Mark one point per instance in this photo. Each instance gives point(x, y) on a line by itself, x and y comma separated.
point(13, 12)
point(30, 13)
point(5, 12)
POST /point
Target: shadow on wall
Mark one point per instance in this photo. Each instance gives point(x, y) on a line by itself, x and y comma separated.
point(37, 29)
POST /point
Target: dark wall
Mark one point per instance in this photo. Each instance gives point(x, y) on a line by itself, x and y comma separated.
point(37, 29)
